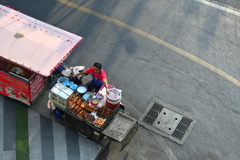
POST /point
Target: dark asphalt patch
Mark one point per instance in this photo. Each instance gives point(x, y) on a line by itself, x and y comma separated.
point(47, 138)
point(9, 125)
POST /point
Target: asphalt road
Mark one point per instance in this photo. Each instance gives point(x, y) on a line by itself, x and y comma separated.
point(182, 52)
point(232, 3)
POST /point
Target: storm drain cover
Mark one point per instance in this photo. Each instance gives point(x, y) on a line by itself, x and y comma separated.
point(167, 121)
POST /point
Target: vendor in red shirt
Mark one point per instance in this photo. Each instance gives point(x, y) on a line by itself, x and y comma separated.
point(99, 77)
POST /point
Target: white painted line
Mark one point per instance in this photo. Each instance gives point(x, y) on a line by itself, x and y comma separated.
point(34, 133)
point(10, 154)
point(226, 9)
point(88, 149)
point(59, 139)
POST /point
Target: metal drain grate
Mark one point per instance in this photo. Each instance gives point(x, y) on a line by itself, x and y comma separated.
point(182, 128)
point(152, 114)
point(167, 121)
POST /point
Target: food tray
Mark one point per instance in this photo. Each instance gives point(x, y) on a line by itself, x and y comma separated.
point(119, 127)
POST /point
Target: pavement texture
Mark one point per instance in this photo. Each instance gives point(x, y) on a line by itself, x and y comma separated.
point(144, 145)
point(27, 134)
point(232, 3)
point(182, 52)
point(48, 138)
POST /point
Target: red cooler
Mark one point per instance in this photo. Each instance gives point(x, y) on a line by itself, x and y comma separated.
point(113, 99)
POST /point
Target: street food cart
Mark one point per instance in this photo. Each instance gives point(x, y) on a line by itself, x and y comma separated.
point(30, 50)
point(94, 113)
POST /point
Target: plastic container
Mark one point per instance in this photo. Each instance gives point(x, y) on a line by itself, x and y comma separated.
point(74, 87)
point(66, 72)
point(87, 95)
point(110, 105)
point(78, 69)
point(67, 83)
point(113, 99)
point(94, 102)
point(101, 103)
point(62, 79)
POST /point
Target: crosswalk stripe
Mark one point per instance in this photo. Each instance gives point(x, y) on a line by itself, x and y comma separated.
point(88, 149)
point(35, 148)
point(60, 142)
point(9, 155)
point(59, 139)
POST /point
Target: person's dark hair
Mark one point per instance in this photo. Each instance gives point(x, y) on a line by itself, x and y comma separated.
point(98, 65)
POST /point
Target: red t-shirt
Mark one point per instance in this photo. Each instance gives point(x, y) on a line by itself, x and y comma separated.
point(103, 75)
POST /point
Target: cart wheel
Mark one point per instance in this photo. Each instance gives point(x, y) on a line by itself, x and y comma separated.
point(84, 130)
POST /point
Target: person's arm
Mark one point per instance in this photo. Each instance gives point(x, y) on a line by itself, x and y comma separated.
point(80, 73)
point(106, 85)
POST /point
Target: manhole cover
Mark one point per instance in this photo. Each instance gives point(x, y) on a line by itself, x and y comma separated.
point(167, 120)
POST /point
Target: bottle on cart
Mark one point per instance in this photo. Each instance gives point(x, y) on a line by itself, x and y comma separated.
point(102, 103)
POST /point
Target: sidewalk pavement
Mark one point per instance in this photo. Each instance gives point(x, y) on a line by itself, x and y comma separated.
point(26, 134)
point(47, 139)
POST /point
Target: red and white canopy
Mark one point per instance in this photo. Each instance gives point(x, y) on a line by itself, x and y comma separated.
point(33, 44)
